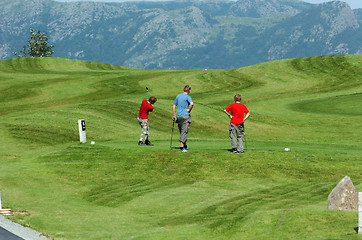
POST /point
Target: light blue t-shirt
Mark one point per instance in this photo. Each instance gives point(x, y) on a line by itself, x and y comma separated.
point(182, 102)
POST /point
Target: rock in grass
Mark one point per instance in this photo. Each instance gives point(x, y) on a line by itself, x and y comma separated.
point(344, 196)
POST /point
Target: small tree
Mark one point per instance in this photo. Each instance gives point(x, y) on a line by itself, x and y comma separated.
point(37, 45)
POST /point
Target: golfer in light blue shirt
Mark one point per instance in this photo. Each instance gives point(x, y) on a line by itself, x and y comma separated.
point(184, 105)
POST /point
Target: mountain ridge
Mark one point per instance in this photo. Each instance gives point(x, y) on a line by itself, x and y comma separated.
point(183, 34)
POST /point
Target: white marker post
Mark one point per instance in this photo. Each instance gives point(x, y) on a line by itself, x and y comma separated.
point(82, 135)
point(359, 212)
point(6, 212)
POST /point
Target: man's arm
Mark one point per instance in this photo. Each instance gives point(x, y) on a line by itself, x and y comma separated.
point(150, 108)
point(226, 112)
point(246, 116)
point(190, 107)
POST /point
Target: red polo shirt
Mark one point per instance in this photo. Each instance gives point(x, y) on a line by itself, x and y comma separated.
point(145, 108)
point(237, 111)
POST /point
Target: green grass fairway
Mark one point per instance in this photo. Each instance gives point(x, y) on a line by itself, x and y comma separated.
point(115, 189)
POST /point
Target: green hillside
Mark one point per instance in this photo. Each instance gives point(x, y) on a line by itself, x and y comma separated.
point(115, 189)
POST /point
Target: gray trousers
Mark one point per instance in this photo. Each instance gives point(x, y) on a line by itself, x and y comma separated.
point(144, 125)
point(183, 126)
point(236, 133)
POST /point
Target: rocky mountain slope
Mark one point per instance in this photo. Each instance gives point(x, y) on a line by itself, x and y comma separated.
point(183, 34)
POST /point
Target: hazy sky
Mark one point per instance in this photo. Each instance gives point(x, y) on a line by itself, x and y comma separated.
point(353, 3)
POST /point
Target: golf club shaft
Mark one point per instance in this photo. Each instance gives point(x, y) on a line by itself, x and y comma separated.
point(245, 148)
point(173, 125)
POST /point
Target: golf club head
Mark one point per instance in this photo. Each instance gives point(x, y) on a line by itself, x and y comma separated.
point(148, 93)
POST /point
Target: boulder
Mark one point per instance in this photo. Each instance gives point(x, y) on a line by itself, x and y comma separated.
point(344, 196)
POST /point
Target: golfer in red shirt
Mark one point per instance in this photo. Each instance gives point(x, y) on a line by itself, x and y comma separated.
point(239, 113)
point(145, 109)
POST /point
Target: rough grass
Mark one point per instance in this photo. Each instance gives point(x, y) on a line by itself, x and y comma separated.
point(117, 190)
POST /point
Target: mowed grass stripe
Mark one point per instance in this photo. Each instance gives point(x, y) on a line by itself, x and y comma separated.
point(230, 212)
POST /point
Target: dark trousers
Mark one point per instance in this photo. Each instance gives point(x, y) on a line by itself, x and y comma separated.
point(183, 126)
point(236, 133)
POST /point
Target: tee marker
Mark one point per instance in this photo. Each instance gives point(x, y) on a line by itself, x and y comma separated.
point(6, 212)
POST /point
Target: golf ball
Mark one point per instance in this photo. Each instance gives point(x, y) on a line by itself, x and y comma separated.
point(93, 142)
point(287, 149)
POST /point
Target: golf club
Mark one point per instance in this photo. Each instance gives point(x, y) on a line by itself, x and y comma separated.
point(245, 148)
point(148, 93)
point(173, 125)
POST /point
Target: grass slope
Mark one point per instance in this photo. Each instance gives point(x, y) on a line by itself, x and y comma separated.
point(117, 190)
